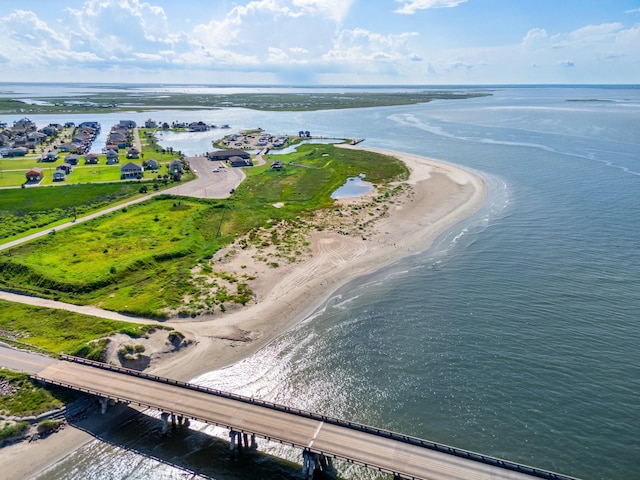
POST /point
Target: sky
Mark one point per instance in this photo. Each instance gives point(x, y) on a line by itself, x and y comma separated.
point(321, 42)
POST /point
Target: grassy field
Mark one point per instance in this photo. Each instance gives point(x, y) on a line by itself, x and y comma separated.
point(58, 331)
point(26, 210)
point(140, 259)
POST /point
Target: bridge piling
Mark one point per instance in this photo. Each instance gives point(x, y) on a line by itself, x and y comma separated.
point(312, 461)
point(165, 422)
point(235, 439)
point(104, 402)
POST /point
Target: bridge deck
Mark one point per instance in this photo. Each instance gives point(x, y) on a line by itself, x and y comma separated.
point(361, 447)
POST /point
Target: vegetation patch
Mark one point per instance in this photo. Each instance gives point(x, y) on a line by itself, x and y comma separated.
point(25, 397)
point(60, 331)
point(25, 210)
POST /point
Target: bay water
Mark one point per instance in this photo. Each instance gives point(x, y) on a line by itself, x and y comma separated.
point(516, 334)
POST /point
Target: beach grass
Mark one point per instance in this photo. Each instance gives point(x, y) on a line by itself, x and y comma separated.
point(57, 330)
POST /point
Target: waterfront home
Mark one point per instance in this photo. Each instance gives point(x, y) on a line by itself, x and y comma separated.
point(198, 127)
point(127, 123)
point(59, 176)
point(133, 153)
point(71, 159)
point(150, 124)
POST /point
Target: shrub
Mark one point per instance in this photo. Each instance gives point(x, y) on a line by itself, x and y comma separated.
point(13, 430)
point(48, 425)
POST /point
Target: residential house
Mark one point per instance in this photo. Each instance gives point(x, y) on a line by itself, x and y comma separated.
point(72, 159)
point(94, 125)
point(91, 159)
point(133, 153)
point(198, 127)
point(34, 175)
point(128, 123)
point(18, 152)
point(175, 166)
point(150, 124)
point(50, 157)
point(112, 157)
point(151, 164)
point(131, 170)
point(36, 137)
point(64, 167)
point(59, 176)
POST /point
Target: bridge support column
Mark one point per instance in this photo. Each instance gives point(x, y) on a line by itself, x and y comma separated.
point(311, 461)
point(173, 420)
point(233, 437)
point(254, 445)
point(165, 422)
point(104, 401)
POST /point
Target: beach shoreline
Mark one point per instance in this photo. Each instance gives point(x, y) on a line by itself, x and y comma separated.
point(440, 196)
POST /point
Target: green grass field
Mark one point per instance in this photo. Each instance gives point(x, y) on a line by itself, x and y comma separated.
point(56, 330)
point(26, 210)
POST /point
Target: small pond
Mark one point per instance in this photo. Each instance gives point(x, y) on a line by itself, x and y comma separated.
point(353, 187)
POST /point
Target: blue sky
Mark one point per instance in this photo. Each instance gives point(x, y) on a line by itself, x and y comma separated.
point(363, 42)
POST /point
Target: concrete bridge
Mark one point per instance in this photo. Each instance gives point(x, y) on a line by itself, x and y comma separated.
point(321, 438)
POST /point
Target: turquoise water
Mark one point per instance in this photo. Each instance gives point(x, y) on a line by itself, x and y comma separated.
point(516, 334)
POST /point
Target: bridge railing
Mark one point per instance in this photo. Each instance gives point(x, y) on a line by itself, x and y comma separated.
point(439, 447)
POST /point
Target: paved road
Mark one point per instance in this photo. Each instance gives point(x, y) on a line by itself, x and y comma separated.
point(23, 361)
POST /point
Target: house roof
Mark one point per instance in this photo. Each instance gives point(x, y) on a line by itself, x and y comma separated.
point(131, 166)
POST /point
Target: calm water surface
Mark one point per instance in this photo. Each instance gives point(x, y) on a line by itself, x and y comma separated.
point(515, 335)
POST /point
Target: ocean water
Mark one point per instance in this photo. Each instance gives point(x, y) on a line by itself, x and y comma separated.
point(516, 334)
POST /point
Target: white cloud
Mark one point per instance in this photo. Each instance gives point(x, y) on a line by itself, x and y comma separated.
point(410, 7)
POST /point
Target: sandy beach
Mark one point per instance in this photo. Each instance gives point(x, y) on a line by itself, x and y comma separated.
point(439, 196)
